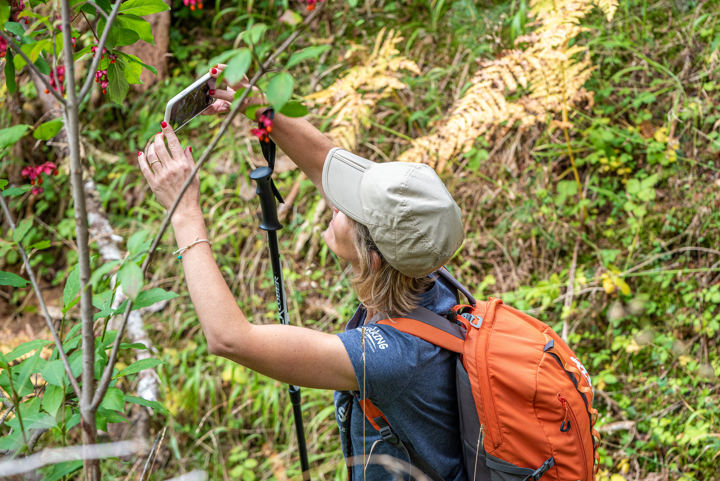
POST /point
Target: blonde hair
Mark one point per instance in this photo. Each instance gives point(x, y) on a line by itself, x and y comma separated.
point(379, 286)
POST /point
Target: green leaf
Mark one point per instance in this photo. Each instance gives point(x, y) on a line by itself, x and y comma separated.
point(141, 8)
point(42, 421)
point(144, 402)
point(54, 372)
point(306, 53)
point(118, 86)
point(58, 471)
point(137, 242)
point(129, 58)
point(294, 109)
point(137, 24)
point(52, 399)
point(255, 33)
point(139, 366)
point(3, 184)
point(29, 367)
point(72, 287)
point(40, 245)
point(15, 28)
point(130, 277)
point(75, 359)
point(4, 11)
point(10, 279)
point(10, 73)
point(238, 66)
point(48, 130)
point(150, 297)
point(279, 90)
point(132, 72)
point(114, 399)
point(22, 229)
point(16, 191)
point(12, 134)
point(102, 270)
point(121, 37)
point(24, 348)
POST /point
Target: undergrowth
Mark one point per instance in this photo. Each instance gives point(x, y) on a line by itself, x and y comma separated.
point(644, 230)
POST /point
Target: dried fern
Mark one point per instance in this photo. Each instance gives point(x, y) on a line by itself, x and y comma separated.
point(351, 99)
point(548, 74)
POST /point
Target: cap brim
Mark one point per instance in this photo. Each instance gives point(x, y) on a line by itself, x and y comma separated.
point(342, 177)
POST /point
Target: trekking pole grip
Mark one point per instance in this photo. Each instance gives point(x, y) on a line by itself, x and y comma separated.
point(267, 192)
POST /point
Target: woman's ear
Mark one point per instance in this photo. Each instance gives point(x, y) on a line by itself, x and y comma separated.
point(375, 260)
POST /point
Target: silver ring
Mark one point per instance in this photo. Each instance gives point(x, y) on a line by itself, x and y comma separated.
point(154, 162)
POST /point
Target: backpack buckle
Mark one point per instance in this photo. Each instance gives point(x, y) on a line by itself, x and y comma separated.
point(386, 432)
point(475, 321)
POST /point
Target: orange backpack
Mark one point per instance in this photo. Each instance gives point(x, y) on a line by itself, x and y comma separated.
point(524, 398)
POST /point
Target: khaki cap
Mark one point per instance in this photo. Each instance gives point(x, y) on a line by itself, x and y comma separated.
point(411, 216)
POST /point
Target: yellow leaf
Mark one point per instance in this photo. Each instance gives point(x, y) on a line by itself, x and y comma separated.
point(617, 477)
point(622, 285)
point(607, 284)
point(661, 135)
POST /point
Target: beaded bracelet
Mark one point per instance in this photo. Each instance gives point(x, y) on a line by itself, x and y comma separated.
point(183, 249)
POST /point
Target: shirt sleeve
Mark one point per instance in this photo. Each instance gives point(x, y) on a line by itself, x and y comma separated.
point(385, 361)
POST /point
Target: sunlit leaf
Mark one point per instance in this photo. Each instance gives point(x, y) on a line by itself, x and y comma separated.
point(130, 277)
point(141, 8)
point(48, 130)
point(237, 66)
point(10, 135)
point(138, 366)
point(151, 296)
point(279, 90)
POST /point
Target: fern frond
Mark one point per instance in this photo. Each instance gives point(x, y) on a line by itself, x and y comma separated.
point(548, 75)
point(608, 7)
point(351, 99)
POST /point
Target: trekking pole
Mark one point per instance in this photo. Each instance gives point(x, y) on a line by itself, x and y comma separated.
point(267, 191)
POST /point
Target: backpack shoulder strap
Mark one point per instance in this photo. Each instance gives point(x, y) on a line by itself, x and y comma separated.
point(427, 325)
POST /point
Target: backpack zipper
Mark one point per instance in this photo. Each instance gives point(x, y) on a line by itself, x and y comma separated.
point(571, 424)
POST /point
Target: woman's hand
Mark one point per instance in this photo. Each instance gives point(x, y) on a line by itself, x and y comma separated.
point(166, 172)
point(226, 96)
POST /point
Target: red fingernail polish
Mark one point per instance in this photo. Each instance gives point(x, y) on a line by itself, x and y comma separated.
point(190, 149)
point(163, 124)
point(213, 71)
point(139, 154)
point(211, 92)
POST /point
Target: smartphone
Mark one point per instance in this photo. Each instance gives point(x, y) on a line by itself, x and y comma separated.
point(182, 108)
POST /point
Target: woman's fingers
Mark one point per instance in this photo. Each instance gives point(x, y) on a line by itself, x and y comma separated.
point(144, 166)
point(226, 95)
point(176, 150)
point(154, 164)
point(160, 150)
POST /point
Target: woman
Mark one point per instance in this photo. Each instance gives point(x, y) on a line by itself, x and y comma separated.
point(395, 223)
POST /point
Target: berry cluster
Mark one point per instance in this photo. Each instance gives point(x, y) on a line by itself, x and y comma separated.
point(111, 57)
point(264, 128)
point(102, 78)
point(57, 76)
point(311, 4)
point(33, 173)
point(193, 4)
point(16, 6)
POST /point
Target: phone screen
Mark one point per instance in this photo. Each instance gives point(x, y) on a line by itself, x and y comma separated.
point(190, 105)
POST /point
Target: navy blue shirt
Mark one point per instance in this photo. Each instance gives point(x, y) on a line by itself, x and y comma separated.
point(413, 383)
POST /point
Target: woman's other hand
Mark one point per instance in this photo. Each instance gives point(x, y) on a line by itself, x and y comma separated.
point(167, 168)
point(226, 96)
